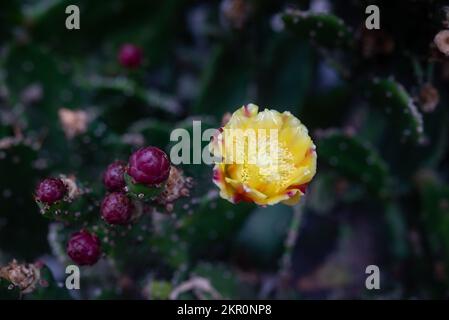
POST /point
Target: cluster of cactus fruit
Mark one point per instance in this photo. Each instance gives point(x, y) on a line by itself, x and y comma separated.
point(131, 188)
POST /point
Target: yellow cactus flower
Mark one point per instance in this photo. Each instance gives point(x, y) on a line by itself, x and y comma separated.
point(263, 157)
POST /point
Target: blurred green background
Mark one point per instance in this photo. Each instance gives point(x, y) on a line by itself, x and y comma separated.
point(375, 103)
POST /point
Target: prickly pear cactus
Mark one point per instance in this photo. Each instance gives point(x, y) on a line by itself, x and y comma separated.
point(95, 204)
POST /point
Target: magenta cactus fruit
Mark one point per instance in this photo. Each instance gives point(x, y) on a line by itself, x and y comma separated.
point(50, 190)
point(116, 208)
point(130, 56)
point(149, 166)
point(113, 178)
